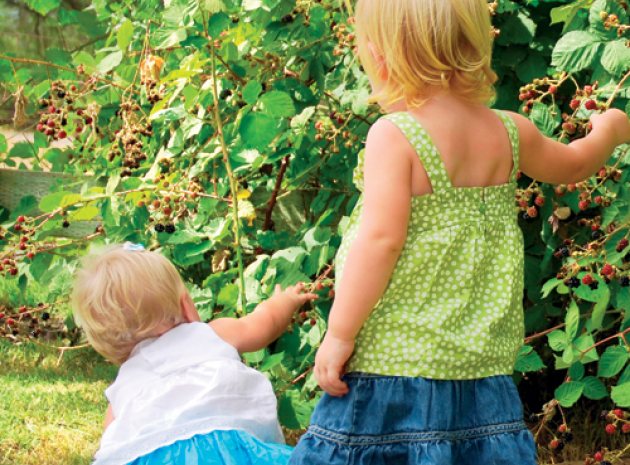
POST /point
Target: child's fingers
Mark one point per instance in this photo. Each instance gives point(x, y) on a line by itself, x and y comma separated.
point(278, 289)
point(329, 380)
point(308, 297)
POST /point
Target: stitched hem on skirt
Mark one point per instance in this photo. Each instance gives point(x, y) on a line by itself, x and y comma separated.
point(428, 436)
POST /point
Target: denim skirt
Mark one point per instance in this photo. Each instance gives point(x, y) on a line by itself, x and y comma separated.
point(396, 420)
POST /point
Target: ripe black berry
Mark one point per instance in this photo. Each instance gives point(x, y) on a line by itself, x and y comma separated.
point(45, 316)
point(572, 282)
point(568, 436)
point(597, 234)
point(594, 285)
point(65, 224)
point(605, 462)
point(287, 19)
point(170, 228)
point(225, 93)
point(159, 228)
point(624, 281)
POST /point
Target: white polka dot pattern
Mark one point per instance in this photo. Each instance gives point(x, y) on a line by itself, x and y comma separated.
point(453, 306)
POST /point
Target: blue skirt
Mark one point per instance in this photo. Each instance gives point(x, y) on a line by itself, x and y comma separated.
point(218, 448)
point(387, 420)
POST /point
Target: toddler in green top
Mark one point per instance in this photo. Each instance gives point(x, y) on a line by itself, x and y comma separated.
point(428, 319)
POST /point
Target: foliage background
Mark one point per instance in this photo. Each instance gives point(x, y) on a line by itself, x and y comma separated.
point(235, 156)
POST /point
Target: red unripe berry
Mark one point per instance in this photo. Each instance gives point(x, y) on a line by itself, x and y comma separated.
point(587, 279)
point(611, 428)
point(78, 129)
point(10, 321)
point(331, 294)
point(156, 204)
point(319, 286)
point(588, 90)
point(20, 219)
point(88, 120)
point(540, 201)
point(22, 309)
point(313, 322)
point(52, 109)
point(554, 444)
point(17, 227)
point(569, 128)
point(1, 315)
point(62, 134)
point(553, 89)
point(562, 428)
point(602, 173)
point(51, 123)
point(625, 428)
point(22, 246)
point(49, 132)
point(30, 255)
point(6, 261)
point(607, 269)
point(584, 204)
point(591, 104)
point(598, 200)
point(599, 456)
point(571, 187)
point(575, 104)
point(623, 243)
point(13, 271)
point(303, 315)
point(532, 212)
point(618, 413)
point(168, 210)
point(40, 127)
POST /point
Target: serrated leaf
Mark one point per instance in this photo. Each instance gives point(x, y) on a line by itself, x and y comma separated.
point(529, 362)
point(612, 361)
point(218, 23)
point(251, 91)
point(572, 320)
point(110, 62)
point(258, 130)
point(58, 200)
point(558, 340)
point(278, 104)
point(43, 7)
point(124, 35)
point(543, 118)
point(568, 394)
point(87, 213)
point(621, 395)
point(594, 389)
point(616, 57)
point(565, 13)
point(575, 51)
point(3, 143)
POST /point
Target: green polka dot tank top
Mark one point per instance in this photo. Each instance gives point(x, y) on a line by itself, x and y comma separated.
point(453, 306)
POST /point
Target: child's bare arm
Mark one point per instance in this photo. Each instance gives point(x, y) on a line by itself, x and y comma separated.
point(373, 254)
point(266, 323)
point(546, 160)
point(109, 416)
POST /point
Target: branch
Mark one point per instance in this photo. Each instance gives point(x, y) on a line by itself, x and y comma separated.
point(274, 196)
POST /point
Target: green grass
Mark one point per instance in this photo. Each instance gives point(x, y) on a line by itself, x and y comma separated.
point(50, 414)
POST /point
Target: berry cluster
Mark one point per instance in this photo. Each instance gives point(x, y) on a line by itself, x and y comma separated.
point(537, 90)
point(611, 21)
point(563, 437)
point(345, 38)
point(60, 114)
point(128, 139)
point(150, 69)
point(529, 208)
point(27, 322)
point(334, 128)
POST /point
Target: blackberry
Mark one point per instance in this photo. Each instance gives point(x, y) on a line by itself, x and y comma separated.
point(605, 462)
point(170, 228)
point(572, 282)
point(597, 234)
point(65, 224)
point(594, 285)
point(564, 251)
point(159, 228)
point(568, 436)
point(45, 316)
point(624, 281)
point(287, 19)
point(225, 93)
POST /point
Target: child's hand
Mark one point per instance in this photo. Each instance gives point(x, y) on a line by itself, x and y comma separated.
point(616, 121)
point(330, 364)
point(293, 296)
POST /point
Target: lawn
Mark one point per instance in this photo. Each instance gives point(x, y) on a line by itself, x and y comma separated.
point(50, 413)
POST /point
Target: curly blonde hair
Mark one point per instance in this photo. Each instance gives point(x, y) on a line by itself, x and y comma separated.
point(423, 44)
point(122, 297)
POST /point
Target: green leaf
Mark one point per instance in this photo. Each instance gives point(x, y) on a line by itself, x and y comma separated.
point(3, 143)
point(612, 361)
point(293, 411)
point(565, 13)
point(594, 389)
point(251, 91)
point(218, 23)
point(23, 150)
point(543, 118)
point(110, 62)
point(528, 360)
point(278, 104)
point(86, 213)
point(585, 343)
point(56, 200)
point(576, 371)
point(40, 264)
point(124, 35)
point(550, 286)
point(558, 340)
point(272, 361)
point(517, 29)
point(599, 310)
point(258, 130)
point(621, 395)
point(228, 296)
point(568, 394)
point(572, 320)
point(616, 57)
point(575, 51)
point(43, 7)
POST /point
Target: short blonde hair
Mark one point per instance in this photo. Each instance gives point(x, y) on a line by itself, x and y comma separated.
point(122, 296)
point(443, 44)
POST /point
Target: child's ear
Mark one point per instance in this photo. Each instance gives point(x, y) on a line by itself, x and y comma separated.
point(379, 61)
point(189, 312)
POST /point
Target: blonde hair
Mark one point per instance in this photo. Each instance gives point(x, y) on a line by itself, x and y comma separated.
point(423, 44)
point(123, 296)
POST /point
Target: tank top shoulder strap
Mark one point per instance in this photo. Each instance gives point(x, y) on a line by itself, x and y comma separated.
point(424, 147)
point(512, 131)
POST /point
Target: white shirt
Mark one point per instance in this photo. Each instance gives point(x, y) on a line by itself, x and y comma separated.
point(188, 381)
